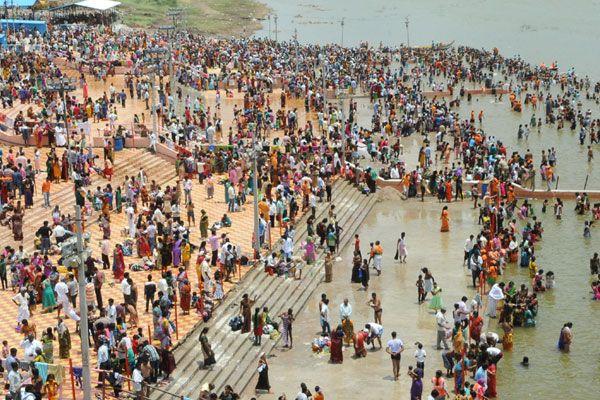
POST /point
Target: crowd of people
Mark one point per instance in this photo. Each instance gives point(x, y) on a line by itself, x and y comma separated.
point(297, 162)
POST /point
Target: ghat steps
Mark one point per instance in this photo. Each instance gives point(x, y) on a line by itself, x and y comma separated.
point(234, 352)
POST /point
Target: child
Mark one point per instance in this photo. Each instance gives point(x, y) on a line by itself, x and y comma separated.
point(14, 279)
point(51, 388)
point(420, 355)
point(195, 299)
point(420, 290)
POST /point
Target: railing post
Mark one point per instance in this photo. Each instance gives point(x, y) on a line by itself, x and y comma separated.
point(72, 378)
point(176, 323)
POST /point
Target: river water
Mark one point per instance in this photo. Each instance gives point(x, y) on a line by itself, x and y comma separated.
point(564, 31)
point(554, 30)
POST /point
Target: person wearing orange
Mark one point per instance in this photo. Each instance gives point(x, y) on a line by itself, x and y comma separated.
point(448, 191)
point(475, 326)
point(445, 220)
point(318, 394)
point(491, 381)
point(46, 185)
point(50, 388)
point(377, 255)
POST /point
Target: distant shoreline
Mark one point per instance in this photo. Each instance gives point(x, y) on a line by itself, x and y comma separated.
point(218, 18)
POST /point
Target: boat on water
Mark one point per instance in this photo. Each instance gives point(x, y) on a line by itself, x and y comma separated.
point(435, 46)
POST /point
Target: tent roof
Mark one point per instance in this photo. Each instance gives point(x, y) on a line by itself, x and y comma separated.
point(101, 5)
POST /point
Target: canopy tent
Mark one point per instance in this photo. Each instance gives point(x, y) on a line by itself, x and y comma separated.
point(100, 5)
point(18, 24)
point(91, 12)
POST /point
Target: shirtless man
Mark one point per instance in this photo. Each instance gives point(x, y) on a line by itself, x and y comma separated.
point(375, 304)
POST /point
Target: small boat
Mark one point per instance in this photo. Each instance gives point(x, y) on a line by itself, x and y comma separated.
point(435, 46)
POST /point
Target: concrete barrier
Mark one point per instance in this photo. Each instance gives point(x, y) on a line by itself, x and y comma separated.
point(537, 194)
point(482, 91)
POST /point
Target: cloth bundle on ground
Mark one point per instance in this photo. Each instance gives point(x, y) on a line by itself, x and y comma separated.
point(321, 344)
point(235, 323)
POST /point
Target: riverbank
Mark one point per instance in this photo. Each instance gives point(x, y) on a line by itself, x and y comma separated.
point(212, 17)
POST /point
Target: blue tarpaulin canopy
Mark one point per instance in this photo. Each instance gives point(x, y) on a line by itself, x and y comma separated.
point(28, 25)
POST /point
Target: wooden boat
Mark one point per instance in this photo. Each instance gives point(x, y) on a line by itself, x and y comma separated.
point(435, 46)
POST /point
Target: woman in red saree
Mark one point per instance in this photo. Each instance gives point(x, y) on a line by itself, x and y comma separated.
point(445, 220)
point(359, 344)
point(118, 263)
point(335, 347)
point(491, 381)
point(143, 247)
point(39, 136)
point(185, 292)
point(108, 170)
point(448, 191)
point(475, 325)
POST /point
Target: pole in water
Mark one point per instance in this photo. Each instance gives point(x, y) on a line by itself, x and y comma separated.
point(342, 23)
point(586, 181)
point(297, 45)
point(406, 22)
point(276, 27)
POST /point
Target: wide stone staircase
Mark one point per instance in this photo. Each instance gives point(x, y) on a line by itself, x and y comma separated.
point(235, 354)
point(127, 163)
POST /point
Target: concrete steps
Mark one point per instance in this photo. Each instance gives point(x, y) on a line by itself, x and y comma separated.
point(234, 352)
point(127, 163)
point(244, 370)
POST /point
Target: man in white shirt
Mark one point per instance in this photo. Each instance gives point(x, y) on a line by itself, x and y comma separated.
point(375, 331)
point(210, 133)
point(187, 190)
point(111, 312)
point(30, 346)
point(15, 380)
point(137, 381)
point(126, 289)
point(442, 325)
point(103, 355)
point(394, 348)
point(345, 310)
point(469, 243)
point(463, 310)
point(288, 246)
point(60, 233)
point(326, 328)
point(475, 264)
point(163, 286)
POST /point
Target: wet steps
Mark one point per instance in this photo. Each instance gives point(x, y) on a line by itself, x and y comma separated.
point(234, 352)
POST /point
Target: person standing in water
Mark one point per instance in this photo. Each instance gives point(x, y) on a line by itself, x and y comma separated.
point(375, 304)
point(401, 251)
point(394, 348)
point(445, 220)
point(566, 337)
